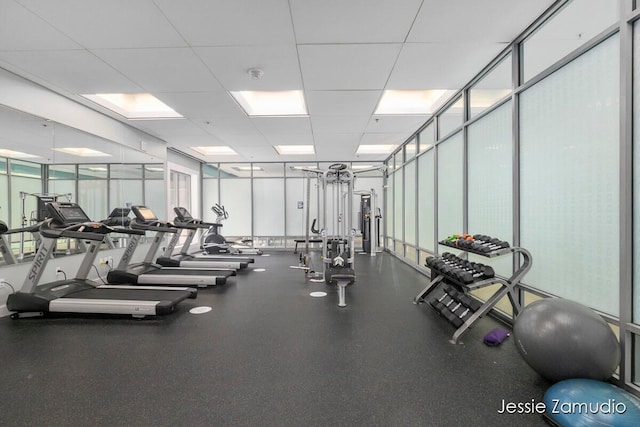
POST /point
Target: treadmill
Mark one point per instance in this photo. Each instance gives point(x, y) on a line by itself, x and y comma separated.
point(184, 221)
point(119, 217)
point(5, 248)
point(149, 273)
point(80, 295)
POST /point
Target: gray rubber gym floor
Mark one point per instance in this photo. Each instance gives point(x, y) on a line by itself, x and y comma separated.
point(268, 354)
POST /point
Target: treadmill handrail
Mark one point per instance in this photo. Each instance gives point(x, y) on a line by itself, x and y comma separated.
point(75, 231)
point(29, 229)
point(192, 224)
point(162, 226)
point(195, 222)
point(127, 230)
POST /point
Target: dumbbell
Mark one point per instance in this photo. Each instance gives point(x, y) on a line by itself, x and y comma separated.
point(460, 310)
point(442, 302)
point(452, 317)
point(435, 299)
point(472, 303)
point(479, 271)
point(454, 294)
point(491, 242)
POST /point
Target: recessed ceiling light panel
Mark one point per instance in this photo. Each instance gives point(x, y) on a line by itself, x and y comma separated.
point(215, 150)
point(376, 149)
point(135, 106)
point(16, 154)
point(271, 103)
point(410, 102)
point(82, 152)
point(284, 150)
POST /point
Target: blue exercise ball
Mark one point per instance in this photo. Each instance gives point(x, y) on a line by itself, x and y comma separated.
point(562, 339)
point(581, 402)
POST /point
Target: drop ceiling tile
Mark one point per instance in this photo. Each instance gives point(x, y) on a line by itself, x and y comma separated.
point(202, 105)
point(289, 138)
point(480, 21)
point(336, 146)
point(423, 65)
point(21, 29)
point(282, 125)
point(262, 153)
point(171, 128)
point(226, 125)
point(384, 138)
point(230, 23)
point(347, 67)
point(108, 24)
point(243, 140)
point(392, 124)
point(359, 21)
point(88, 74)
point(230, 65)
point(339, 124)
point(336, 140)
point(346, 102)
point(162, 70)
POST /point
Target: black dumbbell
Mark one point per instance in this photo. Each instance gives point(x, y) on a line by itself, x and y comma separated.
point(472, 303)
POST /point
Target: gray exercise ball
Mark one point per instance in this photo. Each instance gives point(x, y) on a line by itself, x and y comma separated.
point(562, 339)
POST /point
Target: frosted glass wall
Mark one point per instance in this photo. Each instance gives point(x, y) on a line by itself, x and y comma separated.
point(296, 220)
point(490, 198)
point(451, 118)
point(209, 198)
point(569, 181)
point(491, 88)
point(4, 198)
point(573, 26)
point(235, 195)
point(155, 196)
point(427, 137)
point(27, 185)
point(268, 207)
point(410, 203)
point(63, 186)
point(390, 200)
point(450, 156)
point(123, 191)
point(398, 184)
point(636, 172)
point(426, 208)
point(92, 196)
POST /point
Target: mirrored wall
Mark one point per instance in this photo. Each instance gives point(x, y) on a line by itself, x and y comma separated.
point(41, 157)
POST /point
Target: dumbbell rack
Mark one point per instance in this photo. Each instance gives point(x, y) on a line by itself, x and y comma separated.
point(508, 286)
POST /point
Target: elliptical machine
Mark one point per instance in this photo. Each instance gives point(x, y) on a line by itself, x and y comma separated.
point(214, 243)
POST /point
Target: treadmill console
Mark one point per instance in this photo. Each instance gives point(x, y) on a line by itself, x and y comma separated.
point(67, 213)
point(182, 214)
point(144, 214)
point(119, 217)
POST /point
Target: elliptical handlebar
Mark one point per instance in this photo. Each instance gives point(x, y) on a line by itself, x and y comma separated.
point(220, 211)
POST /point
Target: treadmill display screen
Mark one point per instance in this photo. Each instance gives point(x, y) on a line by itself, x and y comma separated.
point(119, 212)
point(70, 214)
point(183, 214)
point(144, 213)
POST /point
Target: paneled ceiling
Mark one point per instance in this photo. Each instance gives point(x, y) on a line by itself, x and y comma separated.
point(190, 53)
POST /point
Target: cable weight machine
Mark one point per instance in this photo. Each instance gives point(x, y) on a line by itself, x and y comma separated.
point(336, 227)
point(37, 216)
